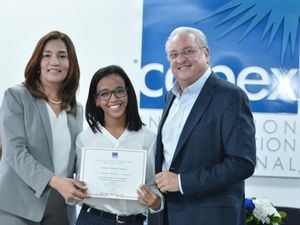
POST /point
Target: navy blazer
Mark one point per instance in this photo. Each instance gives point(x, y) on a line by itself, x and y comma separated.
point(214, 155)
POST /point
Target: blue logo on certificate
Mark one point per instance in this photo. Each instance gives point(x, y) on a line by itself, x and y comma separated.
point(254, 44)
point(115, 154)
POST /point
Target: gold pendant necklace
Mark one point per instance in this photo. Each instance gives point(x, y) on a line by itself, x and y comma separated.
point(55, 102)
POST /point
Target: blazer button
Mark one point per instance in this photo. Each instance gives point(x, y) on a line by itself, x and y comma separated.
point(173, 169)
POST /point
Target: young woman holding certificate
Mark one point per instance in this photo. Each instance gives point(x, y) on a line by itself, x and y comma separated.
point(114, 123)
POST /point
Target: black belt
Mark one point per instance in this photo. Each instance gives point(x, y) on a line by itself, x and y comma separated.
point(114, 217)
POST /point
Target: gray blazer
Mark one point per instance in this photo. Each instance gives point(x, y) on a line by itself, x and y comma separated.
point(26, 166)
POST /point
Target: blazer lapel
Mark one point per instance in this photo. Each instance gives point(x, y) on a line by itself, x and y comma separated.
point(169, 101)
point(159, 157)
point(74, 129)
point(196, 113)
point(42, 108)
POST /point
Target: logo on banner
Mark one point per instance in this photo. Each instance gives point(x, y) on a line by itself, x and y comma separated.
point(253, 44)
point(114, 155)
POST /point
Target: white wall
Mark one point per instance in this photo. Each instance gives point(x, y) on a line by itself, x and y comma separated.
point(104, 32)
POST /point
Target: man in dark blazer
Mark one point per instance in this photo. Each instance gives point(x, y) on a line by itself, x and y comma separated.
point(206, 139)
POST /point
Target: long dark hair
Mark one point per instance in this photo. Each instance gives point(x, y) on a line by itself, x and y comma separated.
point(70, 85)
point(95, 115)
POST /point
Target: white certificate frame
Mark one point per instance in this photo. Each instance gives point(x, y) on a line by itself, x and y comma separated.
point(113, 173)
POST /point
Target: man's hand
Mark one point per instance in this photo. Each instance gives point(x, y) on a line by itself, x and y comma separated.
point(69, 189)
point(167, 181)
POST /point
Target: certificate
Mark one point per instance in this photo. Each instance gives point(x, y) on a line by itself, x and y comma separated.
point(113, 173)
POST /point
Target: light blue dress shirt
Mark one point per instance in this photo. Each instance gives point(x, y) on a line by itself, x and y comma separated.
point(178, 114)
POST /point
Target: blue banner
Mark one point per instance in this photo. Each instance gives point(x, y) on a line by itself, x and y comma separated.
point(253, 43)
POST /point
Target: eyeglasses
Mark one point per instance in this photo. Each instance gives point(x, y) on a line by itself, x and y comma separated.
point(105, 94)
point(187, 52)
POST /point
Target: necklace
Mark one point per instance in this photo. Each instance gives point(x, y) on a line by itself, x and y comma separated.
point(55, 102)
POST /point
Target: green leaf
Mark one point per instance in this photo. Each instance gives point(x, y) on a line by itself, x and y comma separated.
point(282, 214)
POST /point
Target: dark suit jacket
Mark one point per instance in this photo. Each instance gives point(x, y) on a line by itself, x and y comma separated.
point(214, 154)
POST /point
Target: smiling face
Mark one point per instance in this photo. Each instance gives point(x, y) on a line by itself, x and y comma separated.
point(187, 68)
point(114, 108)
point(54, 65)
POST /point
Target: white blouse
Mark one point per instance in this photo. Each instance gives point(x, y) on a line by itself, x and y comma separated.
point(142, 139)
point(61, 140)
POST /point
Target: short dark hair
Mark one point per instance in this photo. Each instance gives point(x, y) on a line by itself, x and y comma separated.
point(70, 85)
point(95, 115)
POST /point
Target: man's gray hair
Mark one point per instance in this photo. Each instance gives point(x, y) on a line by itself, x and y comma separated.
point(200, 37)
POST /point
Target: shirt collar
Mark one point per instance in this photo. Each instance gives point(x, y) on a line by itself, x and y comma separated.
point(195, 87)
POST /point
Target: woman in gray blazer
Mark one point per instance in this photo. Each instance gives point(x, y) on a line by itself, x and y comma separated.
point(40, 120)
point(0, 148)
